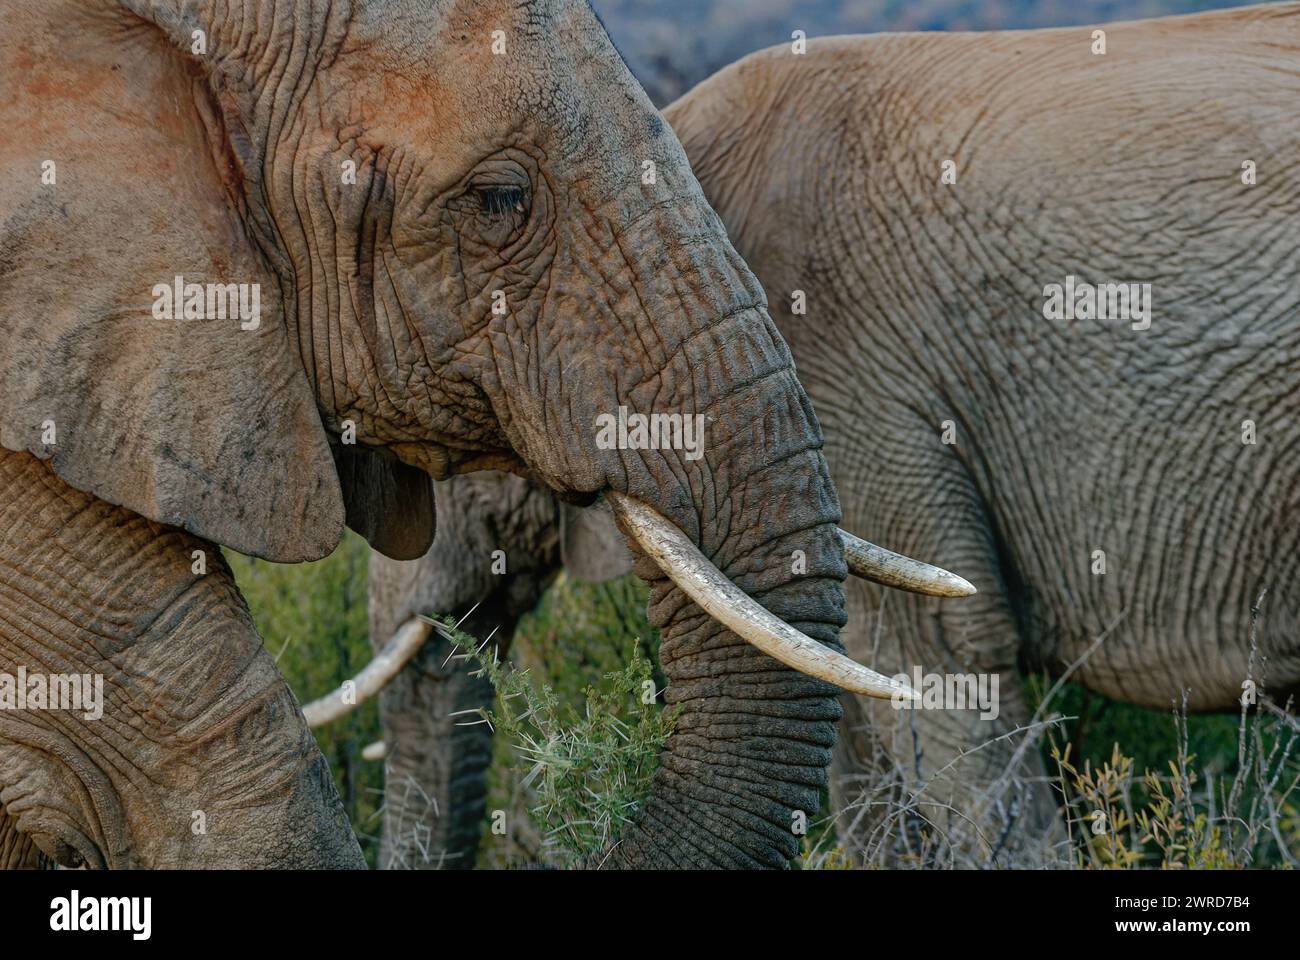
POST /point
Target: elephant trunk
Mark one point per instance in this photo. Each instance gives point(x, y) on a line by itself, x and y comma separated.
point(677, 399)
point(746, 763)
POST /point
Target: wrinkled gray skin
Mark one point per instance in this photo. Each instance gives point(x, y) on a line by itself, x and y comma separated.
point(925, 305)
point(474, 173)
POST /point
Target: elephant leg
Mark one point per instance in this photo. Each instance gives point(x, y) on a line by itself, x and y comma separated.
point(495, 553)
point(184, 747)
point(940, 782)
point(437, 760)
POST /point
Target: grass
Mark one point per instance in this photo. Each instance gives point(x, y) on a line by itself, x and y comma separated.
point(1236, 808)
point(1240, 810)
point(1184, 817)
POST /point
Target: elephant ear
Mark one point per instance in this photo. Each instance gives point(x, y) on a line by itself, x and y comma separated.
point(591, 546)
point(128, 173)
point(388, 502)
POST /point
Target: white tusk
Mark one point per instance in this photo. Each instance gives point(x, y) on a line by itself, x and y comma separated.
point(387, 664)
point(721, 599)
point(375, 751)
point(870, 562)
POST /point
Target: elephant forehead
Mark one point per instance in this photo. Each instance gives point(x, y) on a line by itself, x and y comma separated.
point(476, 66)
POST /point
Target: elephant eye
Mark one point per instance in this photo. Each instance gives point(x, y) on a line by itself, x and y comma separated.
point(492, 213)
point(499, 203)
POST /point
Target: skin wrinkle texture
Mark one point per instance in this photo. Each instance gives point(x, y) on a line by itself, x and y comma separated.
point(202, 433)
point(925, 304)
point(1069, 440)
point(188, 689)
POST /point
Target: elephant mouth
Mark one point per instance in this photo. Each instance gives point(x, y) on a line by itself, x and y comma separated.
point(683, 563)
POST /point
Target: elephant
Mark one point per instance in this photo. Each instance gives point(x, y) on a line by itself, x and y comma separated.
point(272, 268)
point(1115, 485)
point(501, 542)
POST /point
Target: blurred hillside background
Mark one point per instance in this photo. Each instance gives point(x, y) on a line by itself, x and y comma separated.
point(313, 617)
point(671, 45)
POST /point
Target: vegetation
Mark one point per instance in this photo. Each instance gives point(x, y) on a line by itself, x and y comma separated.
point(1178, 818)
point(601, 635)
point(583, 768)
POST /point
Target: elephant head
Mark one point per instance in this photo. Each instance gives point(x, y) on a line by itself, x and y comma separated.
point(268, 264)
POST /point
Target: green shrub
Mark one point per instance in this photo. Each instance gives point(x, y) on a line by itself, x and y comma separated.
point(1184, 819)
point(585, 766)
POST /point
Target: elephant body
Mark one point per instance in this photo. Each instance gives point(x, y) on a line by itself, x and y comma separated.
point(1090, 476)
point(1120, 490)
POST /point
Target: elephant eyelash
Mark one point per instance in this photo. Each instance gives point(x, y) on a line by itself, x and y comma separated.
point(498, 202)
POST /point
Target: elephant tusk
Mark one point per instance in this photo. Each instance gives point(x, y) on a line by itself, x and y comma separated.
point(388, 663)
point(375, 751)
point(870, 562)
point(726, 603)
